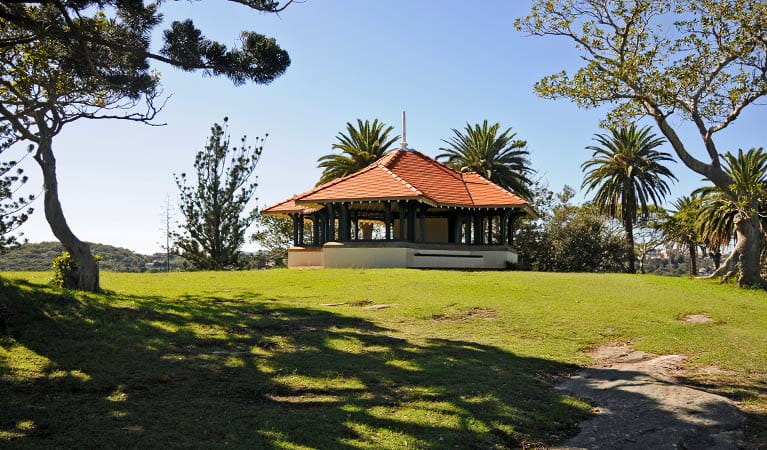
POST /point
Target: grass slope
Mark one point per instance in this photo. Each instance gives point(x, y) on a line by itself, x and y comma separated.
point(254, 359)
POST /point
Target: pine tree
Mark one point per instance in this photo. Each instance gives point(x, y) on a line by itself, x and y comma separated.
point(214, 205)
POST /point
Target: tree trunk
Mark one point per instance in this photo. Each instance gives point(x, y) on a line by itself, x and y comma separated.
point(693, 264)
point(745, 255)
point(87, 269)
point(630, 256)
point(748, 246)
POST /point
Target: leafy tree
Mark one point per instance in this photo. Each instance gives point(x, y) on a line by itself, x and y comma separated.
point(701, 61)
point(359, 148)
point(497, 156)
point(213, 205)
point(63, 61)
point(570, 238)
point(14, 208)
point(275, 235)
point(628, 175)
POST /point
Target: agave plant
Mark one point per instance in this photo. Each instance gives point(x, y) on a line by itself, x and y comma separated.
point(497, 156)
point(628, 175)
point(360, 147)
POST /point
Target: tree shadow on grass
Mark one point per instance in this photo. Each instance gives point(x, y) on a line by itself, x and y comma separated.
point(125, 371)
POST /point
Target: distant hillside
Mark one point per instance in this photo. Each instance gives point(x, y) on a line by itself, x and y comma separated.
point(38, 256)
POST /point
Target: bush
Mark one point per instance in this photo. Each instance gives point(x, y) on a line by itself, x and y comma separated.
point(65, 272)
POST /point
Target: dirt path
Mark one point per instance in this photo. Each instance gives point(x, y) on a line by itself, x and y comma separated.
point(640, 405)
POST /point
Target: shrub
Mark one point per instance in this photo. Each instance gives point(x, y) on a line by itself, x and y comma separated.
point(65, 273)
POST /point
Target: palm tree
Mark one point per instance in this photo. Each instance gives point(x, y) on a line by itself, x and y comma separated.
point(627, 174)
point(359, 147)
point(680, 228)
point(499, 157)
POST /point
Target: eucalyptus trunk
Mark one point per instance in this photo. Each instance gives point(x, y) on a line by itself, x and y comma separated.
point(745, 256)
point(87, 269)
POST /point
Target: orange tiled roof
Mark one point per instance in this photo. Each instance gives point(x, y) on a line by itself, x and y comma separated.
point(402, 175)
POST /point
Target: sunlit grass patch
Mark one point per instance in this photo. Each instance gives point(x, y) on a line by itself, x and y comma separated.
point(254, 359)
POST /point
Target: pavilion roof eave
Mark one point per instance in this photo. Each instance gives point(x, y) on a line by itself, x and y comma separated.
point(365, 200)
point(321, 202)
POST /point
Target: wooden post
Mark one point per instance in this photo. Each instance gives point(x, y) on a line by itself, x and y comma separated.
point(331, 225)
point(422, 230)
point(343, 225)
point(295, 229)
point(402, 211)
point(300, 229)
point(477, 228)
point(490, 219)
point(502, 227)
point(315, 229)
point(411, 222)
point(356, 216)
point(387, 219)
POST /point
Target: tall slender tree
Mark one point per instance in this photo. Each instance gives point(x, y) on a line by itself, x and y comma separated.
point(360, 147)
point(213, 205)
point(699, 61)
point(496, 155)
point(62, 61)
point(627, 175)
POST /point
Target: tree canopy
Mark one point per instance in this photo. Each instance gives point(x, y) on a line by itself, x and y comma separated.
point(496, 155)
point(704, 61)
point(61, 61)
point(360, 147)
point(627, 175)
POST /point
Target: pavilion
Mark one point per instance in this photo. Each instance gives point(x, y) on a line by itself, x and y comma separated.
point(404, 210)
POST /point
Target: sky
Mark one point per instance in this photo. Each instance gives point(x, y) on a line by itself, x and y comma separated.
point(446, 64)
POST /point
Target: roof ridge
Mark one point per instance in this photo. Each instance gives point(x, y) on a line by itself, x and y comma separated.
point(456, 174)
point(495, 185)
point(393, 157)
point(335, 181)
point(402, 180)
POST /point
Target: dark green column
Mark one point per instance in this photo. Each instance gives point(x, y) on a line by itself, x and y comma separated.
point(331, 225)
point(343, 225)
point(402, 212)
point(301, 229)
point(387, 219)
point(411, 210)
point(422, 224)
point(477, 228)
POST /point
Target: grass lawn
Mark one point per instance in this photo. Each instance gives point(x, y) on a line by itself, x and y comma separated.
point(254, 359)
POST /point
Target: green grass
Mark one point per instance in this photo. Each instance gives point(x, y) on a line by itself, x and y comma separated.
point(253, 359)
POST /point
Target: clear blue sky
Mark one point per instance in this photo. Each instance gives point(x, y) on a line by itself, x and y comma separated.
point(445, 63)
